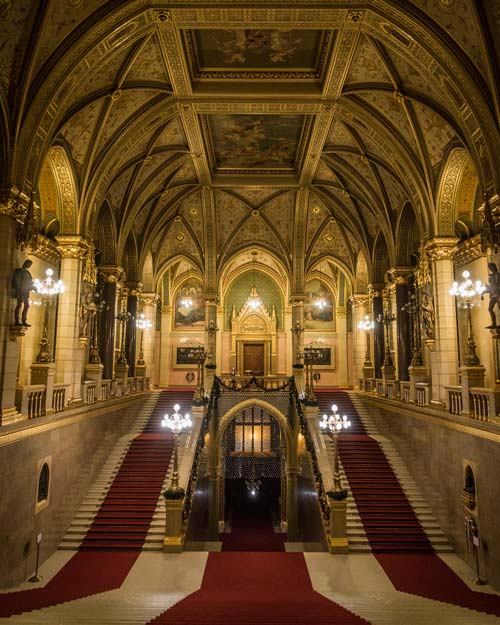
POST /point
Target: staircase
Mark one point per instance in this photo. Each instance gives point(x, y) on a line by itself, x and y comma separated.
point(124, 508)
point(384, 500)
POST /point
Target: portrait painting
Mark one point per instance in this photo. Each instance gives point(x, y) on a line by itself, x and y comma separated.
point(255, 141)
point(190, 305)
point(318, 306)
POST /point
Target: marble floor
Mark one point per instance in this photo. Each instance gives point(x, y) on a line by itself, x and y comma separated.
point(157, 581)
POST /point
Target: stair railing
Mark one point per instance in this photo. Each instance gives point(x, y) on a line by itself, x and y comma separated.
point(200, 444)
point(304, 430)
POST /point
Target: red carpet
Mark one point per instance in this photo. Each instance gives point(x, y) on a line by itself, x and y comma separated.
point(116, 536)
point(253, 589)
point(393, 530)
point(389, 521)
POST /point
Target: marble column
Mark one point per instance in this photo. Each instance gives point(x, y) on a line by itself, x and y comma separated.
point(68, 356)
point(149, 302)
point(131, 328)
point(342, 359)
point(165, 346)
point(359, 310)
point(13, 207)
point(111, 275)
point(400, 276)
point(444, 359)
point(297, 338)
point(378, 330)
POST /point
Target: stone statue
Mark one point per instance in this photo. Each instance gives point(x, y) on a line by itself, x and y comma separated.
point(22, 284)
point(493, 289)
point(428, 316)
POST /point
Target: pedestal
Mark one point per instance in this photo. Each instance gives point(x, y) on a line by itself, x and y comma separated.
point(94, 372)
point(44, 373)
point(368, 373)
point(338, 541)
point(417, 374)
point(140, 371)
point(121, 371)
point(174, 538)
point(470, 376)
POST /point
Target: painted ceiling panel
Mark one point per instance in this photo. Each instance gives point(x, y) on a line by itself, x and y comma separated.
point(230, 211)
point(437, 132)
point(149, 65)
point(279, 212)
point(79, 131)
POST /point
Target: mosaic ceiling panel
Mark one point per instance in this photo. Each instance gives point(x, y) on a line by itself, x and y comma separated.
point(243, 53)
point(251, 143)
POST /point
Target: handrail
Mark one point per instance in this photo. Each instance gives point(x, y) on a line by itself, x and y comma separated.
point(200, 444)
point(264, 383)
point(318, 478)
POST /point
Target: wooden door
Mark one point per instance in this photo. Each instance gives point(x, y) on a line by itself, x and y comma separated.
point(253, 358)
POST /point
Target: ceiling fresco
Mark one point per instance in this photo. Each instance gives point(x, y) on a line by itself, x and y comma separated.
point(255, 142)
point(216, 52)
point(260, 120)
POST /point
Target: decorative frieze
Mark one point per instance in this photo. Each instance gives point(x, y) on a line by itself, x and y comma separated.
point(468, 251)
point(44, 249)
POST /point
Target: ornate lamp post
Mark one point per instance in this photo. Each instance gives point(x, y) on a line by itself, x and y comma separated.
point(367, 326)
point(211, 331)
point(310, 355)
point(122, 317)
point(334, 424)
point(465, 291)
point(386, 318)
point(176, 422)
point(141, 323)
point(47, 288)
point(413, 310)
point(297, 330)
point(199, 355)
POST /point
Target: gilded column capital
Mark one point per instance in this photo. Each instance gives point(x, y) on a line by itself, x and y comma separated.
point(359, 300)
point(111, 273)
point(375, 289)
point(297, 299)
point(400, 275)
point(441, 248)
point(72, 246)
point(133, 288)
point(341, 312)
point(149, 298)
point(166, 310)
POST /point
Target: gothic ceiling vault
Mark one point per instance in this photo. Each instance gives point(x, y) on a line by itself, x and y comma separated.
point(204, 128)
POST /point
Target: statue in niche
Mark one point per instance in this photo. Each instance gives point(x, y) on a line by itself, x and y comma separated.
point(493, 289)
point(22, 284)
point(428, 316)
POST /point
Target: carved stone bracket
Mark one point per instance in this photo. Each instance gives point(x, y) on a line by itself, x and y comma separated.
point(16, 331)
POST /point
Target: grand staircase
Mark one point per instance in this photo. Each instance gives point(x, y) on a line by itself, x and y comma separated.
point(385, 508)
point(124, 507)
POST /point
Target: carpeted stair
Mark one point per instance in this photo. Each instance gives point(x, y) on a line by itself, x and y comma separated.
point(388, 518)
point(256, 589)
point(116, 536)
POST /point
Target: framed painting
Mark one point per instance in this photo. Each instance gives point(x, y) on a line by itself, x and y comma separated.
point(189, 306)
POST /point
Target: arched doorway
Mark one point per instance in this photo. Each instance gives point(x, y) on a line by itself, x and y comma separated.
point(253, 464)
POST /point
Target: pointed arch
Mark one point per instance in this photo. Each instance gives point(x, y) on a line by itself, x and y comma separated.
point(380, 259)
point(361, 278)
point(105, 236)
point(147, 277)
point(457, 191)
point(58, 191)
point(408, 236)
point(129, 259)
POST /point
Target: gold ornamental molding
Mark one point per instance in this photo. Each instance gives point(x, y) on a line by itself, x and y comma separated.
point(149, 299)
point(14, 203)
point(44, 249)
point(400, 275)
point(468, 251)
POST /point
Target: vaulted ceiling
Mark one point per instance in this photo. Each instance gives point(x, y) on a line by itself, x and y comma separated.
point(230, 124)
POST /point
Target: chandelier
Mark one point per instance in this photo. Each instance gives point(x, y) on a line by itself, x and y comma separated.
point(254, 301)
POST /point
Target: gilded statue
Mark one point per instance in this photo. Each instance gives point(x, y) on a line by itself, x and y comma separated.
point(493, 289)
point(22, 284)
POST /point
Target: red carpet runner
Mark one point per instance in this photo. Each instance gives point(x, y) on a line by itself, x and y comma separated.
point(392, 528)
point(115, 538)
point(256, 589)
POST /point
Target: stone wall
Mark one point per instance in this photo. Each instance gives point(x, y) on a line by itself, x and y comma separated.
point(436, 452)
point(75, 454)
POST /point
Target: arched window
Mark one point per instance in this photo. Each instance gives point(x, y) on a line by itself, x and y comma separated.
point(43, 484)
